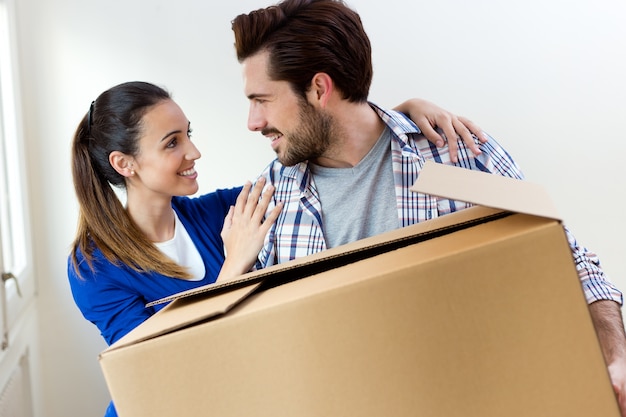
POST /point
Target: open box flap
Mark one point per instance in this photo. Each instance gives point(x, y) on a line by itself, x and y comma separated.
point(186, 312)
point(485, 189)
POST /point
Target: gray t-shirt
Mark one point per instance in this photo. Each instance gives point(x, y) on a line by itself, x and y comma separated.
point(358, 202)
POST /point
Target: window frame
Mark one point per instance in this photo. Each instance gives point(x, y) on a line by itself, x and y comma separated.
point(17, 288)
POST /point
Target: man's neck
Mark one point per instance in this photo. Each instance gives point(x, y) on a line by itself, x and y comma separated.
point(356, 128)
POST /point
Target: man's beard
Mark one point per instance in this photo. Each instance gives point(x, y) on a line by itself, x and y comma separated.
point(310, 139)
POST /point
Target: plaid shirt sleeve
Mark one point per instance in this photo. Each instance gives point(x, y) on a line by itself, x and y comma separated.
point(412, 150)
point(595, 284)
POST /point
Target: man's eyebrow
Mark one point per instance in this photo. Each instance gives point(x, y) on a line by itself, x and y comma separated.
point(256, 95)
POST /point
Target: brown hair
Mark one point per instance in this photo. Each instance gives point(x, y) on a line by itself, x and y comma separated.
point(305, 37)
point(113, 123)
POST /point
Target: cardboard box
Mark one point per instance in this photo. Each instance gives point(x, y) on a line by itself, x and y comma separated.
point(477, 313)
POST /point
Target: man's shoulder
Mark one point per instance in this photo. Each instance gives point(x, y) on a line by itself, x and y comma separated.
point(398, 122)
point(407, 135)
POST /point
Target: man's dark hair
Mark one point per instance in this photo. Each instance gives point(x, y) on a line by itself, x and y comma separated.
point(306, 37)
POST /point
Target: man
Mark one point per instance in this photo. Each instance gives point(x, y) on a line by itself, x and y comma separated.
point(307, 72)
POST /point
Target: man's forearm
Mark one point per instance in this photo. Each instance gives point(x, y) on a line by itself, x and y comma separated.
point(607, 320)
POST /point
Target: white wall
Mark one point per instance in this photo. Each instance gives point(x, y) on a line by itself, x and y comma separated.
point(545, 77)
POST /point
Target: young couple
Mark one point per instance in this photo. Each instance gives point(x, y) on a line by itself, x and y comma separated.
point(307, 72)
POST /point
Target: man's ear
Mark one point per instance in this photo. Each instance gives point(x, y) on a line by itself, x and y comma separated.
point(322, 87)
point(122, 163)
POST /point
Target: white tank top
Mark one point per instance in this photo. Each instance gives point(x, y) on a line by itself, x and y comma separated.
point(182, 250)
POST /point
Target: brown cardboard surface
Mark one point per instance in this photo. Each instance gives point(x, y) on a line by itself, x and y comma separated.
point(488, 320)
point(477, 313)
point(187, 312)
point(485, 189)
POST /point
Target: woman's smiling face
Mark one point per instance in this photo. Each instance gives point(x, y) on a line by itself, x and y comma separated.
point(165, 162)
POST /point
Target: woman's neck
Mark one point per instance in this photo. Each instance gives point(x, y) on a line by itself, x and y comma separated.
point(156, 219)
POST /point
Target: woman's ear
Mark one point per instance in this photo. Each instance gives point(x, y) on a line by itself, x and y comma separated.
point(122, 163)
point(321, 89)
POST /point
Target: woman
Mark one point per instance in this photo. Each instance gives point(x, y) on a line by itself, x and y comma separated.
point(161, 242)
point(136, 137)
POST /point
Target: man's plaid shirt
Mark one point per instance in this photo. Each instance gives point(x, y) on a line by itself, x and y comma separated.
point(299, 231)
